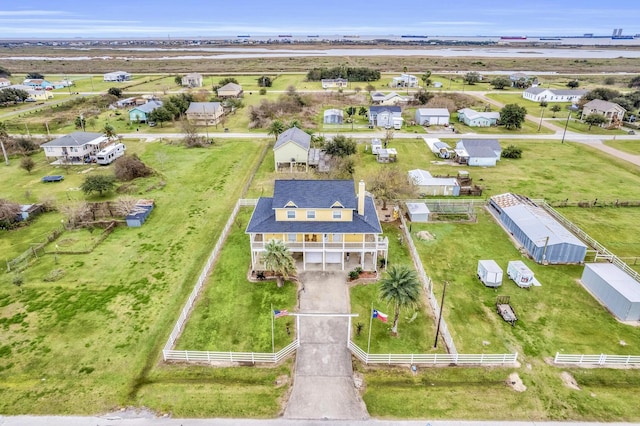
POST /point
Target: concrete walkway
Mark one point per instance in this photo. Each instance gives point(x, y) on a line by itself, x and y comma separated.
point(323, 387)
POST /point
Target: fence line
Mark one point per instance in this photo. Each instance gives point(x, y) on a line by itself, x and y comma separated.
point(177, 329)
point(33, 250)
point(212, 357)
point(434, 359)
point(428, 288)
point(602, 359)
point(601, 251)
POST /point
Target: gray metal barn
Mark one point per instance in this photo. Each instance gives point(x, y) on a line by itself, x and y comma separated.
point(545, 239)
point(614, 288)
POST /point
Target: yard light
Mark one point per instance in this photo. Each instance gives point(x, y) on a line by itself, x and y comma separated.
point(571, 109)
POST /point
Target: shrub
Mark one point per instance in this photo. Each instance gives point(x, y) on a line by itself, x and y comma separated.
point(353, 275)
point(512, 151)
point(130, 167)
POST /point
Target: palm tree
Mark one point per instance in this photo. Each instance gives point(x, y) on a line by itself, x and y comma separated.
point(426, 78)
point(275, 128)
point(278, 259)
point(401, 289)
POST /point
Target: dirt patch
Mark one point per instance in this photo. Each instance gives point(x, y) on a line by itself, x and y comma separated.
point(425, 235)
point(569, 381)
point(281, 380)
point(515, 383)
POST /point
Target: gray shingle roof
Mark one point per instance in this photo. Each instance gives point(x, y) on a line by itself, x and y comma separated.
point(377, 109)
point(74, 139)
point(295, 135)
point(231, 86)
point(600, 105)
point(203, 107)
point(148, 107)
point(313, 194)
point(485, 148)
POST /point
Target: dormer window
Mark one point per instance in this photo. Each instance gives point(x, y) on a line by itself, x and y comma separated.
point(311, 214)
point(291, 214)
point(337, 205)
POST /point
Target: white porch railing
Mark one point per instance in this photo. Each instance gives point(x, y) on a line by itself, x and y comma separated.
point(602, 360)
point(246, 357)
point(433, 359)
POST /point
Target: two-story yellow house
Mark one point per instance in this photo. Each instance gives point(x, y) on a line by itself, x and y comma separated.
point(323, 222)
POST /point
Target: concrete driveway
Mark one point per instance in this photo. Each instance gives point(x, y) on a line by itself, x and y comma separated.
point(323, 386)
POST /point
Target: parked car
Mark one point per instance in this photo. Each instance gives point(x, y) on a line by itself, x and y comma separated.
point(152, 124)
point(632, 132)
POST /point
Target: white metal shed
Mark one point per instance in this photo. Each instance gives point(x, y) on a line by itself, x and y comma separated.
point(618, 291)
point(418, 212)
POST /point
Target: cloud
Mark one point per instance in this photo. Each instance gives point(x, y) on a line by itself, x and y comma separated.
point(32, 12)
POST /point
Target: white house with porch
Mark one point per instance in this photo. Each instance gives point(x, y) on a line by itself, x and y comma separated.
point(323, 223)
point(76, 147)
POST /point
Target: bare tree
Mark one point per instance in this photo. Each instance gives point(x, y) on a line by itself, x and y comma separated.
point(124, 205)
point(75, 212)
point(390, 183)
point(8, 211)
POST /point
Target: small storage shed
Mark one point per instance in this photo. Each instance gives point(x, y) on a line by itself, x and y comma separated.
point(490, 273)
point(387, 155)
point(418, 212)
point(432, 116)
point(333, 116)
point(520, 273)
point(544, 238)
point(376, 145)
point(138, 215)
point(614, 288)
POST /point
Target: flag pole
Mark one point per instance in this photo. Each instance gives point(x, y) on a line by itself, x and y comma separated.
point(370, 323)
point(273, 344)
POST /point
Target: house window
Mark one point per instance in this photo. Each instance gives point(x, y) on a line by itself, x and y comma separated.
point(291, 214)
point(311, 214)
point(337, 215)
point(292, 238)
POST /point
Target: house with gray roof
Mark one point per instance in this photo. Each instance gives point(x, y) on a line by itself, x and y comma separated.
point(324, 223)
point(385, 116)
point(230, 90)
point(76, 147)
point(473, 118)
point(478, 152)
point(539, 94)
point(204, 113)
point(613, 112)
point(140, 114)
point(379, 98)
point(291, 150)
point(192, 80)
point(334, 82)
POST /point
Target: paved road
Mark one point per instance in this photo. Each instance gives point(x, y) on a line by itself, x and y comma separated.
point(323, 387)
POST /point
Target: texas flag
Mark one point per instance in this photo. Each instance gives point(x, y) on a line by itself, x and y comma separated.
point(377, 314)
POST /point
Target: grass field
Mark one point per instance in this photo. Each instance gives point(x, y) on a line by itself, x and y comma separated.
point(85, 343)
point(632, 147)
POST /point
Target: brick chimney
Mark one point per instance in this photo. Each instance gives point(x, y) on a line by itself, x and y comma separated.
point(361, 198)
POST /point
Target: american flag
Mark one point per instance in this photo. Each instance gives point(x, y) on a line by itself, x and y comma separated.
point(280, 313)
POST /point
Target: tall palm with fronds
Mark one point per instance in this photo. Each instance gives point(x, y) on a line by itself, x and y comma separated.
point(400, 288)
point(277, 258)
point(275, 128)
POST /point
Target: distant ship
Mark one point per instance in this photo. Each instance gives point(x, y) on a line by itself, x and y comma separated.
point(513, 38)
point(622, 37)
point(414, 36)
point(285, 35)
point(351, 36)
point(313, 36)
point(550, 38)
point(244, 36)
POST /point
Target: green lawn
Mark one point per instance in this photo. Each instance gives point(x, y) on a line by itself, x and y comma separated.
point(233, 314)
point(85, 343)
point(632, 147)
point(576, 125)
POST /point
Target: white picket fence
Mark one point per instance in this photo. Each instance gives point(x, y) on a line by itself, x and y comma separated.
point(231, 357)
point(177, 329)
point(602, 360)
point(433, 359)
point(426, 282)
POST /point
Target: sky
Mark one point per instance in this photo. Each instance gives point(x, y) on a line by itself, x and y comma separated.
point(203, 18)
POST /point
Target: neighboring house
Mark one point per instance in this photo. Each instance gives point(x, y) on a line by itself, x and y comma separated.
point(334, 82)
point(192, 80)
point(613, 112)
point(378, 98)
point(292, 149)
point(322, 222)
point(473, 118)
point(121, 103)
point(230, 90)
point(478, 152)
point(5, 82)
point(538, 94)
point(442, 149)
point(117, 76)
point(61, 84)
point(34, 95)
point(141, 113)
point(38, 84)
point(429, 185)
point(76, 147)
point(385, 116)
point(432, 116)
point(333, 116)
point(405, 80)
point(520, 79)
point(204, 113)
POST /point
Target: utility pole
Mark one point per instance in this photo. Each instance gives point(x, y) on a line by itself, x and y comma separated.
point(444, 290)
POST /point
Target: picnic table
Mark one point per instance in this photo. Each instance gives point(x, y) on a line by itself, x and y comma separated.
point(53, 178)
